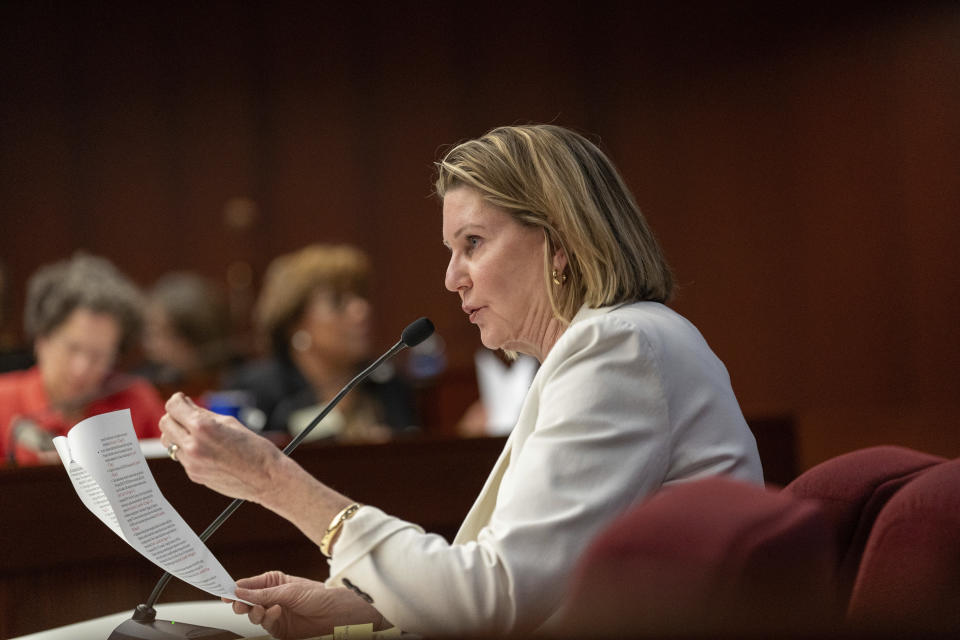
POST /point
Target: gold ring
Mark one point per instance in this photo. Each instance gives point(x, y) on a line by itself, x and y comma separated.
point(172, 451)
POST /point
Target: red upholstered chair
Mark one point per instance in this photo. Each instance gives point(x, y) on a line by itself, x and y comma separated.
point(853, 488)
point(716, 556)
point(909, 578)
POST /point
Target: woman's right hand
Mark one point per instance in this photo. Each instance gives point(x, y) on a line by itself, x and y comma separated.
point(218, 451)
point(292, 607)
point(222, 454)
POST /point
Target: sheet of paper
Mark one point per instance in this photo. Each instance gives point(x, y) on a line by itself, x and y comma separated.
point(103, 459)
point(153, 448)
point(503, 389)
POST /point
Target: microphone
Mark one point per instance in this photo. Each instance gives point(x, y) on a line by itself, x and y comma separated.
point(144, 624)
point(28, 440)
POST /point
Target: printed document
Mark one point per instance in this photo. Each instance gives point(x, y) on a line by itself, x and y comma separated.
point(103, 459)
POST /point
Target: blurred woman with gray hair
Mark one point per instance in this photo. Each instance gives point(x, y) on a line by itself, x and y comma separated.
point(81, 314)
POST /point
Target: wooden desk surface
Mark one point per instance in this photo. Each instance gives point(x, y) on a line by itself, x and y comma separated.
point(59, 564)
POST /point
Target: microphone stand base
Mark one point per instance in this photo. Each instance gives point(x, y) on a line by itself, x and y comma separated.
point(167, 630)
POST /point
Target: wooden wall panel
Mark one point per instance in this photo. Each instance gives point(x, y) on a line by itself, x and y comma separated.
point(798, 165)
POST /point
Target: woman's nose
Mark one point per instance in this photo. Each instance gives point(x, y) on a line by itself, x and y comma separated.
point(83, 365)
point(456, 277)
point(358, 308)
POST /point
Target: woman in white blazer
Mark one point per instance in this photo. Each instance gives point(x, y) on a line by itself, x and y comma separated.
point(551, 257)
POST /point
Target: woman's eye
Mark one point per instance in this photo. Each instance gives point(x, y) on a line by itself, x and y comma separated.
point(473, 242)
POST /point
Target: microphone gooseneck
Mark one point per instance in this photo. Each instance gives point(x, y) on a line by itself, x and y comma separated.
point(415, 333)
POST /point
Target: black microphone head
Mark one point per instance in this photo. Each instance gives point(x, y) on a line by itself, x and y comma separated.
point(416, 332)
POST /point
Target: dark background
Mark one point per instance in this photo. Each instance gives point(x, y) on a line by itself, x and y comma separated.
point(799, 164)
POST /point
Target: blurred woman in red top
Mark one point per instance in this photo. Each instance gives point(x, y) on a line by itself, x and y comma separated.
point(82, 314)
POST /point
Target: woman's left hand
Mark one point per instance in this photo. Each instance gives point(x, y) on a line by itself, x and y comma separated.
point(292, 607)
point(218, 451)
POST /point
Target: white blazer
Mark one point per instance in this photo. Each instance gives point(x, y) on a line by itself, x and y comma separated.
point(629, 399)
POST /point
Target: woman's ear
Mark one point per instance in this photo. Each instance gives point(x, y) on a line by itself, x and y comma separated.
point(40, 347)
point(559, 260)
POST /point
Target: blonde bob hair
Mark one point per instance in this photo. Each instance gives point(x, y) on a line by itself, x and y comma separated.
point(553, 178)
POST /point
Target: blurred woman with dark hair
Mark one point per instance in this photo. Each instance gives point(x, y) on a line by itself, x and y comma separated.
point(82, 314)
point(187, 337)
point(315, 312)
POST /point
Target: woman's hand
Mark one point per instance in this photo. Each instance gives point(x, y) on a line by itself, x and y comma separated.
point(218, 451)
point(291, 607)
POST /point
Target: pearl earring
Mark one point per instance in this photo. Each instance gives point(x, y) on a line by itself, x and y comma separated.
point(301, 341)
